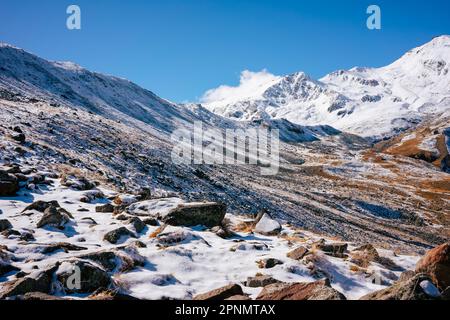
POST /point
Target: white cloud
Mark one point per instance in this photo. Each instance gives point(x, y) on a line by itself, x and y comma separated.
point(250, 84)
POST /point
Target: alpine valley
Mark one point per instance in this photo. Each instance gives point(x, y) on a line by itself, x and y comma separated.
point(360, 207)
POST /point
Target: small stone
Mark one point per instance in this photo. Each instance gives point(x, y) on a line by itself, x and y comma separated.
point(42, 205)
point(151, 222)
point(114, 235)
point(268, 263)
point(297, 253)
point(137, 224)
point(106, 208)
point(260, 281)
point(54, 217)
point(268, 226)
point(332, 249)
point(221, 293)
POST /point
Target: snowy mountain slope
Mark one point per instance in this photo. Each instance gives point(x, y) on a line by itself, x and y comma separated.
point(365, 101)
point(65, 83)
point(296, 97)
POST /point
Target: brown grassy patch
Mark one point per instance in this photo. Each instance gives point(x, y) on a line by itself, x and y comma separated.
point(293, 238)
point(318, 171)
point(357, 269)
point(244, 227)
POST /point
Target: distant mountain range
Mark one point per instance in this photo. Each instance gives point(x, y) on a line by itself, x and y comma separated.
point(370, 102)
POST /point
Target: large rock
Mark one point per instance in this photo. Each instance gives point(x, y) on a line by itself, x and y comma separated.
point(319, 290)
point(39, 281)
point(54, 217)
point(41, 205)
point(268, 226)
point(5, 225)
point(9, 184)
point(411, 289)
point(436, 263)
point(114, 236)
point(221, 293)
point(209, 214)
point(91, 277)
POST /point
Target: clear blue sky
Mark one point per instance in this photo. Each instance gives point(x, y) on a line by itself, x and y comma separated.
point(181, 48)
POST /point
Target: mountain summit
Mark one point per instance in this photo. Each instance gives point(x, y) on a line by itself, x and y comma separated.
point(371, 102)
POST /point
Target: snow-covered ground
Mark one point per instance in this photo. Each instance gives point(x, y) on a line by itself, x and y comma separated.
point(200, 261)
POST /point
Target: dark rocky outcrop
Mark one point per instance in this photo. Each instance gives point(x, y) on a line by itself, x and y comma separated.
point(5, 225)
point(209, 214)
point(40, 281)
point(42, 205)
point(91, 277)
point(54, 217)
point(9, 184)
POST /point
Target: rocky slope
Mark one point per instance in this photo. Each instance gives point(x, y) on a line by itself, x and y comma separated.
point(135, 246)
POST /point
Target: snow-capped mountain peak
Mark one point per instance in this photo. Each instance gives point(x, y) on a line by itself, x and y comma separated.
point(371, 102)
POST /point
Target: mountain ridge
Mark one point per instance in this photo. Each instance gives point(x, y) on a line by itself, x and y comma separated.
point(400, 95)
